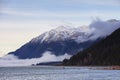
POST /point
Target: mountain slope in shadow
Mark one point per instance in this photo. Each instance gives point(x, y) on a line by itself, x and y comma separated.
point(104, 53)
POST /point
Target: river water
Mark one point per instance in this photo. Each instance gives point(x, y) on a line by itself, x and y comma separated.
point(57, 73)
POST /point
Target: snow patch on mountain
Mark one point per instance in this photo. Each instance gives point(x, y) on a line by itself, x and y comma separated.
point(96, 29)
point(63, 33)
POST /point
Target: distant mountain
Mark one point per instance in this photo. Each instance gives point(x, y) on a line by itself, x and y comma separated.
point(66, 39)
point(105, 52)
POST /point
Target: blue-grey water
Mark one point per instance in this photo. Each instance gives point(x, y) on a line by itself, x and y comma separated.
point(57, 73)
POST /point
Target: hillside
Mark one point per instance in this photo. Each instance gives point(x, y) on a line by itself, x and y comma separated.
point(58, 41)
point(106, 52)
point(66, 39)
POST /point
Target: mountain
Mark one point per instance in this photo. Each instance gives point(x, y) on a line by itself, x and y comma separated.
point(105, 52)
point(64, 39)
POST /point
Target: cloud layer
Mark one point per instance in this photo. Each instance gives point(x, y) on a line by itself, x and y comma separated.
point(11, 60)
point(103, 28)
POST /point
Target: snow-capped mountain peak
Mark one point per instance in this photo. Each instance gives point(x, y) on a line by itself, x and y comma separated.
point(62, 33)
point(79, 34)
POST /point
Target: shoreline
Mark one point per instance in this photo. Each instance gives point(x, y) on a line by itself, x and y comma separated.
point(114, 67)
point(87, 67)
point(107, 68)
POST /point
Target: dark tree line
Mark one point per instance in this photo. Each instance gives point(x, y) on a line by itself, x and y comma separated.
point(105, 52)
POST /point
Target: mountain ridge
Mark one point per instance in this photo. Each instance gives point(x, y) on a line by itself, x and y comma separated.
point(66, 40)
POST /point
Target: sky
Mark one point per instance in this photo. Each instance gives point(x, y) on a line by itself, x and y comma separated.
point(22, 20)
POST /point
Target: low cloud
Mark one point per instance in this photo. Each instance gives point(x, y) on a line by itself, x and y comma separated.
point(11, 60)
point(103, 28)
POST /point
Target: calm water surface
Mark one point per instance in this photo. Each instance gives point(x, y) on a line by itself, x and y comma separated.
point(57, 73)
